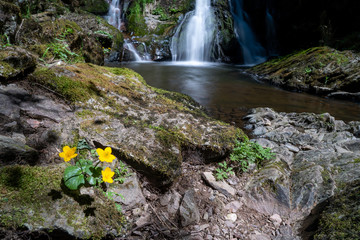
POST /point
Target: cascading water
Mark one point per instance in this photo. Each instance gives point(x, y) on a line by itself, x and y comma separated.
point(113, 16)
point(130, 47)
point(253, 52)
point(194, 37)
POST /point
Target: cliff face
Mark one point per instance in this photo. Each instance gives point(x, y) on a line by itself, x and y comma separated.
point(305, 23)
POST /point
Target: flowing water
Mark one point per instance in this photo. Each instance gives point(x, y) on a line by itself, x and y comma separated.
point(113, 16)
point(252, 51)
point(228, 93)
point(194, 37)
point(130, 46)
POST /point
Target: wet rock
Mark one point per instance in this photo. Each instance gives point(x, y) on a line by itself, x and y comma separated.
point(221, 186)
point(15, 152)
point(15, 62)
point(189, 212)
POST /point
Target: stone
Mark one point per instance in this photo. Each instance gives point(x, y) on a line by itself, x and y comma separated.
point(276, 219)
point(233, 206)
point(130, 191)
point(189, 212)
point(221, 186)
point(15, 62)
point(231, 217)
point(16, 152)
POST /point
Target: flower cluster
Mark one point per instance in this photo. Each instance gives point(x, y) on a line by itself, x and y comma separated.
point(84, 171)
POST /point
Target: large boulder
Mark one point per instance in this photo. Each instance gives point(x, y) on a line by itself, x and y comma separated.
point(316, 156)
point(149, 128)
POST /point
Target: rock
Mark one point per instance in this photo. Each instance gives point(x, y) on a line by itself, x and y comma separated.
point(172, 201)
point(143, 220)
point(130, 193)
point(276, 219)
point(40, 204)
point(15, 62)
point(221, 186)
point(335, 77)
point(9, 19)
point(98, 7)
point(301, 178)
point(231, 217)
point(189, 212)
point(15, 152)
point(233, 206)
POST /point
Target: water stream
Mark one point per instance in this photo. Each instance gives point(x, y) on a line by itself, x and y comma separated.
point(228, 93)
point(113, 16)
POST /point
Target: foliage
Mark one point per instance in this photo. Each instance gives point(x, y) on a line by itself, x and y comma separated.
point(104, 33)
point(111, 195)
point(4, 41)
point(84, 172)
point(223, 171)
point(60, 49)
point(245, 154)
point(160, 11)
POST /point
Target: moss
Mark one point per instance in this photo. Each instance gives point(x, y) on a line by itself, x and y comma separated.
point(96, 6)
point(340, 219)
point(71, 89)
point(29, 194)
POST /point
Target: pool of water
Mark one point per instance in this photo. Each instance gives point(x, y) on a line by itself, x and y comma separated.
point(228, 93)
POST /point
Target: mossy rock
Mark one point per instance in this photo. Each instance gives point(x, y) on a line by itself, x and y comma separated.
point(313, 70)
point(15, 62)
point(34, 198)
point(340, 219)
point(147, 127)
point(98, 7)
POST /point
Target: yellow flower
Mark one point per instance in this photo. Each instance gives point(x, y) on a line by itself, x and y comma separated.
point(68, 153)
point(105, 155)
point(107, 175)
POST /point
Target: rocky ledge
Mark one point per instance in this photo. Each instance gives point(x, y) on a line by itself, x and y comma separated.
point(320, 70)
point(152, 130)
point(317, 157)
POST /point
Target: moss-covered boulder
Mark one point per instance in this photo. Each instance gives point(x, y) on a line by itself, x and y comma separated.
point(320, 70)
point(35, 199)
point(15, 62)
point(98, 7)
point(149, 128)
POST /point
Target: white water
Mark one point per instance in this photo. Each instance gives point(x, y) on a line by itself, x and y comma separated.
point(194, 37)
point(252, 51)
point(130, 46)
point(113, 17)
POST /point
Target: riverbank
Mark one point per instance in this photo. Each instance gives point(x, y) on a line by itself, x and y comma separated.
point(320, 70)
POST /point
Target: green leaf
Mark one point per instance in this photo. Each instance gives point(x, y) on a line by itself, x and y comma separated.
point(91, 180)
point(73, 177)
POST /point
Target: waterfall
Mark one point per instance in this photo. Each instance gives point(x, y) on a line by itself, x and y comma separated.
point(130, 46)
point(252, 51)
point(193, 38)
point(113, 16)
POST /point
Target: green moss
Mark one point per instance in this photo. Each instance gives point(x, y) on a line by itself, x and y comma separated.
point(340, 220)
point(29, 194)
point(71, 89)
point(96, 6)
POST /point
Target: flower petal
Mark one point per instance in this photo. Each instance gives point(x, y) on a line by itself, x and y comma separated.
point(66, 149)
point(108, 150)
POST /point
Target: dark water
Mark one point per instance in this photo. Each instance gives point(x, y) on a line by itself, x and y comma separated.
point(228, 93)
